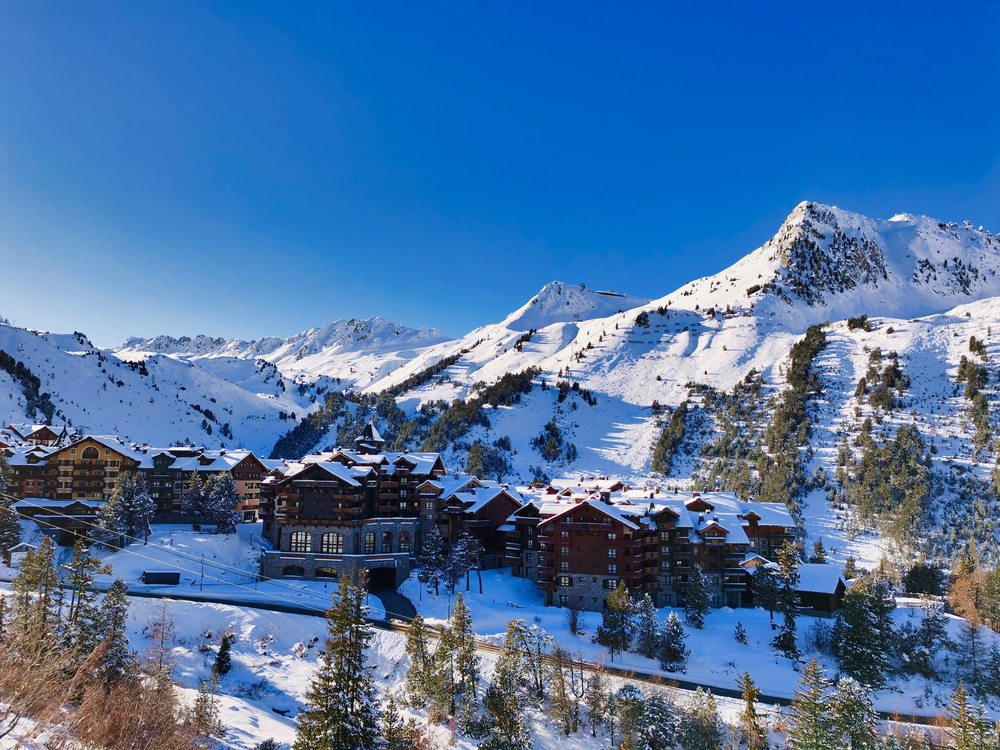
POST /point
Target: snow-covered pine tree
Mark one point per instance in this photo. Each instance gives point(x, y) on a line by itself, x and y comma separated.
point(673, 653)
point(205, 712)
point(615, 630)
point(788, 602)
point(854, 718)
point(809, 718)
point(119, 662)
point(464, 640)
point(431, 560)
point(140, 511)
point(850, 569)
point(456, 564)
point(35, 604)
point(112, 513)
point(696, 599)
point(647, 636)
point(595, 698)
point(222, 498)
point(701, 727)
point(195, 503)
point(740, 634)
point(752, 729)
point(561, 704)
point(629, 706)
point(81, 628)
point(862, 638)
point(962, 724)
point(224, 660)
point(764, 583)
point(394, 731)
point(819, 553)
point(503, 726)
point(660, 728)
point(10, 526)
point(535, 643)
point(420, 674)
point(342, 714)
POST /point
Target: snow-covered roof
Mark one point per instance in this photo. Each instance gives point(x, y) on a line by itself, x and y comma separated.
point(819, 578)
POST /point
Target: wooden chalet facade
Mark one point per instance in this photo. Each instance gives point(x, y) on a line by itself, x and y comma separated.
point(583, 546)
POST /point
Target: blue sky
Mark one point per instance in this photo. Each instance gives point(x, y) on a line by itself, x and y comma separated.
point(244, 170)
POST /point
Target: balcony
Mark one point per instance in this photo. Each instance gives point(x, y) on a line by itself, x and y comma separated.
point(512, 555)
point(651, 586)
point(546, 570)
point(548, 539)
point(547, 554)
point(547, 585)
point(631, 558)
point(678, 555)
point(631, 543)
point(586, 526)
point(651, 555)
point(387, 509)
point(632, 574)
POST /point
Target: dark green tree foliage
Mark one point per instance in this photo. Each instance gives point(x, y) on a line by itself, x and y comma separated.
point(224, 660)
point(341, 713)
point(660, 728)
point(206, 707)
point(503, 727)
point(752, 729)
point(222, 496)
point(615, 630)
point(966, 725)
point(628, 707)
point(819, 553)
point(863, 639)
point(10, 526)
point(35, 588)
point(647, 634)
point(563, 703)
point(432, 560)
point(853, 717)
point(119, 662)
point(810, 723)
point(670, 440)
point(764, 584)
point(195, 502)
point(740, 634)
point(82, 627)
point(672, 651)
point(701, 727)
point(549, 442)
point(420, 673)
point(595, 698)
point(924, 579)
point(487, 461)
point(696, 605)
point(396, 734)
point(788, 602)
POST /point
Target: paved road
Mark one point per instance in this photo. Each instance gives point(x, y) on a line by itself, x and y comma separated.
point(396, 606)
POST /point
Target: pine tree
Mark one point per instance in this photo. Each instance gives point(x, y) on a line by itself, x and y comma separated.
point(128, 511)
point(464, 639)
point(562, 704)
point(195, 502)
point(971, 651)
point(394, 731)
point(862, 637)
point(701, 727)
point(764, 583)
point(504, 723)
point(206, 707)
point(673, 653)
point(853, 717)
point(35, 591)
point(660, 728)
point(223, 660)
point(819, 553)
point(850, 569)
point(82, 625)
point(596, 700)
point(615, 630)
point(788, 602)
point(432, 560)
point(740, 634)
point(630, 709)
point(696, 599)
point(420, 674)
point(810, 723)
point(752, 730)
point(962, 721)
point(119, 662)
point(222, 497)
point(10, 526)
point(647, 628)
point(342, 714)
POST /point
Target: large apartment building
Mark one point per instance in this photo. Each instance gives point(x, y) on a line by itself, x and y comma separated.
point(366, 508)
point(577, 545)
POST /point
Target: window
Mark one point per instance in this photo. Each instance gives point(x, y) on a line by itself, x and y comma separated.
point(753, 544)
point(332, 544)
point(370, 543)
point(612, 569)
point(387, 541)
point(664, 550)
point(326, 572)
point(564, 565)
point(612, 536)
point(564, 550)
point(90, 452)
point(564, 534)
point(293, 570)
point(697, 551)
point(402, 493)
point(299, 541)
point(665, 536)
point(72, 451)
point(429, 505)
point(565, 581)
point(563, 600)
point(612, 552)
point(610, 583)
point(531, 544)
point(404, 541)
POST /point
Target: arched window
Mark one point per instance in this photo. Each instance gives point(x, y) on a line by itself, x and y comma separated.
point(332, 544)
point(293, 570)
point(387, 541)
point(370, 543)
point(326, 573)
point(299, 541)
point(404, 541)
point(90, 452)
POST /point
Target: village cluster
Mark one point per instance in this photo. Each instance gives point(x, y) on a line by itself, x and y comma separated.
point(365, 508)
